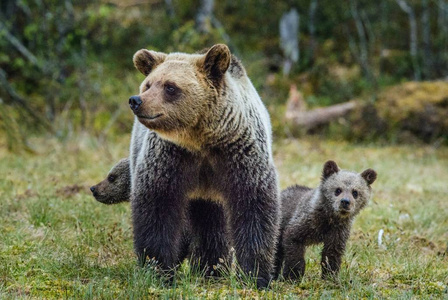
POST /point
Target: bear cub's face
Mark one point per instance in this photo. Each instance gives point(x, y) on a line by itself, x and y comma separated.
point(179, 88)
point(115, 188)
point(345, 192)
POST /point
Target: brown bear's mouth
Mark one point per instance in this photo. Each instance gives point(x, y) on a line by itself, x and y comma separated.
point(149, 117)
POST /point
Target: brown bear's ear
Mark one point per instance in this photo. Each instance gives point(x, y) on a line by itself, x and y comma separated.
point(330, 167)
point(369, 175)
point(216, 62)
point(145, 60)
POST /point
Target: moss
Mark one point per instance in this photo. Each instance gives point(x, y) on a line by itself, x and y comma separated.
point(400, 102)
point(419, 108)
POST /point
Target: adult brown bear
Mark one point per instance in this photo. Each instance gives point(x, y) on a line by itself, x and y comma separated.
point(201, 132)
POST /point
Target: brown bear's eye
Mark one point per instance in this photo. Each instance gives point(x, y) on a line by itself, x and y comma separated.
point(170, 89)
point(147, 86)
point(337, 192)
point(111, 178)
point(355, 194)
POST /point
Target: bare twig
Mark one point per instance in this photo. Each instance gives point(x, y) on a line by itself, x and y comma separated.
point(14, 98)
point(19, 46)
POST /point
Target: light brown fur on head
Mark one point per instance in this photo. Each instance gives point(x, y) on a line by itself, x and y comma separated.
point(181, 95)
point(116, 187)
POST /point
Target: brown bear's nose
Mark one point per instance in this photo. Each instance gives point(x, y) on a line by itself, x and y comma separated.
point(134, 102)
point(92, 188)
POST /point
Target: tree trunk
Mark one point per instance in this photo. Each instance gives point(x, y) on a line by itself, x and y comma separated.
point(413, 46)
point(363, 49)
point(426, 36)
point(170, 9)
point(204, 16)
point(383, 29)
point(442, 35)
point(312, 31)
point(289, 39)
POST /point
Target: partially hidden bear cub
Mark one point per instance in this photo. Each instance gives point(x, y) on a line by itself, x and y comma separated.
point(201, 154)
point(322, 215)
point(116, 187)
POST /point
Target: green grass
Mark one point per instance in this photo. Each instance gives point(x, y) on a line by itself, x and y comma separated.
point(56, 241)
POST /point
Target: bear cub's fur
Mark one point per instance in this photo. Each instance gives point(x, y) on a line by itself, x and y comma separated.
point(322, 215)
point(115, 188)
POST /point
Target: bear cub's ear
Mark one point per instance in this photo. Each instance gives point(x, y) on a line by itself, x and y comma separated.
point(145, 61)
point(216, 62)
point(330, 167)
point(369, 175)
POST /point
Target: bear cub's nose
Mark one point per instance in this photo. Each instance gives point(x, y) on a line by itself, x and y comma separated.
point(345, 203)
point(92, 188)
point(135, 102)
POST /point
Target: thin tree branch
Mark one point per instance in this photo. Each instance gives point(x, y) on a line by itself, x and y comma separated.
point(14, 98)
point(19, 46)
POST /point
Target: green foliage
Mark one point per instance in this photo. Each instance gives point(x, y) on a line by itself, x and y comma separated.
point(188, 39)
point(78, 70)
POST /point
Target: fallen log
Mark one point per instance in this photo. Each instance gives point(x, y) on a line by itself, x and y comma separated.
point(297, 113)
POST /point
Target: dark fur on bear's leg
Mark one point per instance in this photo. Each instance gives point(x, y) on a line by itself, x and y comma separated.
point(332, 252)
point(209, 231)
point(294, 254)
point(253, 216)
point(159, 206)
point(279, 256)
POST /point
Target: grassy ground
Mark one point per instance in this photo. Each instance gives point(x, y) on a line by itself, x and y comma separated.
point(56, 241)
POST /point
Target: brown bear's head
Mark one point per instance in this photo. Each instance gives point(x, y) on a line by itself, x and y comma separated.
point(346, 192)
point(179, 89)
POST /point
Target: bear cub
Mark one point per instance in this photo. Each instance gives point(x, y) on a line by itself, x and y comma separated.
point(322, 215)
point(116, 187)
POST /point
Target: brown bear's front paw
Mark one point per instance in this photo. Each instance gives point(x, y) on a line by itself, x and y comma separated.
point(329, 275)
point(294, 275)
point(213, 271)
point(263, 282)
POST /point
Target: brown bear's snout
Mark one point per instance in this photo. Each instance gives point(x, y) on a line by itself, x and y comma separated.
point(134, 103)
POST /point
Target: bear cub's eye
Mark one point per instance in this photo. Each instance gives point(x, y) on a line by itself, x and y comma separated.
point(337, 192)
point(355, 194)
point(147, 86)
point(111, 178)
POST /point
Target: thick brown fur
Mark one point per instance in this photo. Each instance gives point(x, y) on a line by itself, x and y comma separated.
point(202, 135)
point(323, 215)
